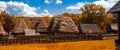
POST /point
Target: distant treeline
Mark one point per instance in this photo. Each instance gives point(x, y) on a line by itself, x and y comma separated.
point(90, 14)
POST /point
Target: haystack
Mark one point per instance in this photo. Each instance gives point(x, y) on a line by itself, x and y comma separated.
point(88, 28)
point(40, 26)
point(2, 31)
point(20, 27)
point(62, 25)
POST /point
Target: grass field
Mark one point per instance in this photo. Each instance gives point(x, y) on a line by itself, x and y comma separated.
point(110, 37)
point(81, 45)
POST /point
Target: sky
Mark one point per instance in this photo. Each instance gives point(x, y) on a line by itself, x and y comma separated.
point(38, 8)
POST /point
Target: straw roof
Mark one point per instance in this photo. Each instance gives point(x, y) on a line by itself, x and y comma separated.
point(115, 8)
point(2, 31)
point(40, 26)
point(20, 26)
point(88, 28)
point(63, 25)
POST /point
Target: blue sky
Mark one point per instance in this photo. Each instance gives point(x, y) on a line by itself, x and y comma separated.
point(48, 7)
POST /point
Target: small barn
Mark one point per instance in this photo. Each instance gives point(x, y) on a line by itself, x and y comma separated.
point(30, 32)
point(2, 31)
point(88, 28)
point(19, 27)
point(40, 27)
point(63, 25)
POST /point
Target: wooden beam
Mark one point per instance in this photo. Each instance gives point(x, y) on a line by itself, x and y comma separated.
point(119, 24)
point(118, 41)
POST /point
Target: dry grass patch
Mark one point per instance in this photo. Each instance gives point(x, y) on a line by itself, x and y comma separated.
point(81, 45)
point(110, 37)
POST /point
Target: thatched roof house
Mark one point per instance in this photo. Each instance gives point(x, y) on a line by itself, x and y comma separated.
point(20, 26)
point(115, 8)
point(62, 24)
point(2, 31)
point(88, 28)
point(40, 26)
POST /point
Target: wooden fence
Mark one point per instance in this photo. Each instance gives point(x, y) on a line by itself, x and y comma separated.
point(6, 40)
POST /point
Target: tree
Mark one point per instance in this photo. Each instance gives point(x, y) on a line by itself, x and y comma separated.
point(8, 23)
point(2, 17)
point(46, 19)
point(66, 14)
point(75, 17)
point(114, 17)
point(94, 14)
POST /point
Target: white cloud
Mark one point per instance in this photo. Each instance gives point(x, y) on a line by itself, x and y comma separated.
point(46, 13)
point(107, 4)
point(76, 7)
point(58, 1)
point(47, 1)
point(18, 8)
point(21, 9)
point(50, 1)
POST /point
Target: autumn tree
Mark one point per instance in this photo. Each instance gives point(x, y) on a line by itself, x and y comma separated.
point(66, 14)
point(33, 21)
point(94, 14)
point(114, 17)
point(8, 23)
point(46, 19)
point(2, 17)
point(75, 17)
